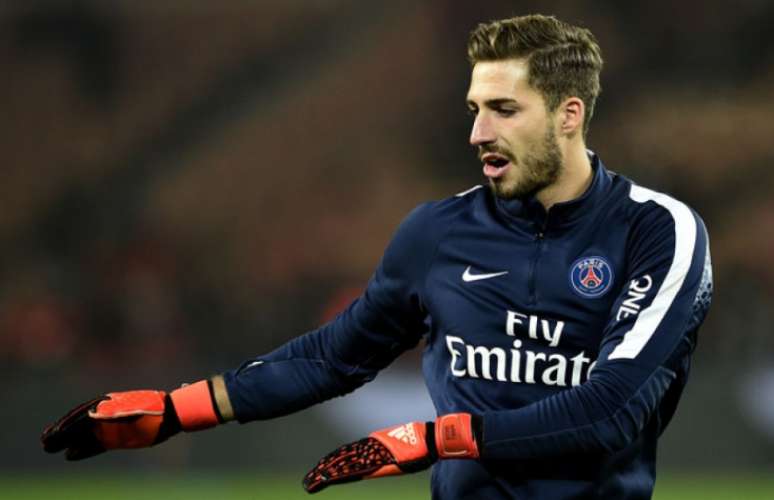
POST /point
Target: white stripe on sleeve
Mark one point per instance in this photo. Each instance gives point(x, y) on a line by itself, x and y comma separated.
point(650, 318)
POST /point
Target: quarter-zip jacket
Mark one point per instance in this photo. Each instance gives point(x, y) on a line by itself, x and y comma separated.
point(569, 332)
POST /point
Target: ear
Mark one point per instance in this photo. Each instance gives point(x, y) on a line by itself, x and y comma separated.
point(571, 115)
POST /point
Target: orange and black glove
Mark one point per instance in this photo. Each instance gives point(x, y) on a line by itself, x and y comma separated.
point(132, 419)
point(404, 449)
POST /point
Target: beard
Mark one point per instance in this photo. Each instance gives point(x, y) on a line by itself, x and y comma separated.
point(536, 170)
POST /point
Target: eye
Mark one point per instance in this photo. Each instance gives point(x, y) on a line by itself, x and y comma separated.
point(472, 112)
point(505, 112)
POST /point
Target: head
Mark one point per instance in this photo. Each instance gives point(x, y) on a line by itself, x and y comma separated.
point(534, 84)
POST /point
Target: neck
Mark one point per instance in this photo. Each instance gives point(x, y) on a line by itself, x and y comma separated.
point(574, 178)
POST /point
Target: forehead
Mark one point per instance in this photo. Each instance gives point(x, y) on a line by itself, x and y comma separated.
point(506, 79)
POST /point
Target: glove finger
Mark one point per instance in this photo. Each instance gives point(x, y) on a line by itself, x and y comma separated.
point(70, 429)
point(78, 431)
point(348, 463)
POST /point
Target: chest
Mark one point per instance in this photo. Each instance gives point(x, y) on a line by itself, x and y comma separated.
point(499, 286)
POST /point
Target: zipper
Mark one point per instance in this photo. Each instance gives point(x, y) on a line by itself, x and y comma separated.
point(539, 246)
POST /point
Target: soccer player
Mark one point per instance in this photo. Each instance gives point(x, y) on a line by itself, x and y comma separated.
point(560, 306)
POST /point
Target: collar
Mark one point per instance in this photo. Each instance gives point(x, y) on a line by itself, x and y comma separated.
point(531, 212)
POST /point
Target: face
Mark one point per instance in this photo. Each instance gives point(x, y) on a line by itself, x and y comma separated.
point(512, 129)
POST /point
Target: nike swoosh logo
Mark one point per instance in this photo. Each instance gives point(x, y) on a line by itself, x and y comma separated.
point(467, 276)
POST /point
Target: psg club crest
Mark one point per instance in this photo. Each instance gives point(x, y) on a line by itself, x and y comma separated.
point(591, 277)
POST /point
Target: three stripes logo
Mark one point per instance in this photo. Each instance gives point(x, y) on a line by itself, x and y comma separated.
point(404, 433)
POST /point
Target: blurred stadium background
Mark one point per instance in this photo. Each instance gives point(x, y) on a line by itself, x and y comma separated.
point(188, 184)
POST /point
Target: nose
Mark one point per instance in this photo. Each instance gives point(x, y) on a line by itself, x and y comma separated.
point(482, 132)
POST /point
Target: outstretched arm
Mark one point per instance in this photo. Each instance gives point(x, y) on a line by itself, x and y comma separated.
point(344, 354)
point(333, 360)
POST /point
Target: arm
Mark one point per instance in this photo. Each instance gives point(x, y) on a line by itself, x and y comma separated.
point(344, 354)
point(640, 354)
point(330, 361)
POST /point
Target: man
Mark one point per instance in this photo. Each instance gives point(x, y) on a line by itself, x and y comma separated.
point(560, 309)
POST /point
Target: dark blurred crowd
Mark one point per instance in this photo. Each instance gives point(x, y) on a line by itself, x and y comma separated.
point(185, 185)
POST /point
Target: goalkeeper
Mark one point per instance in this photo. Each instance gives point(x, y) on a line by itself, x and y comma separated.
point(560, 305)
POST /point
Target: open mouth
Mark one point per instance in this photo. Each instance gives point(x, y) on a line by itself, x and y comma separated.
point(495, 165)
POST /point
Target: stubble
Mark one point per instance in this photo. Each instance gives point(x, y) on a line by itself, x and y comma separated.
point(532, 172)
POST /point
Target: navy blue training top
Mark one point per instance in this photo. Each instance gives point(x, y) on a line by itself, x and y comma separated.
point(568, 331)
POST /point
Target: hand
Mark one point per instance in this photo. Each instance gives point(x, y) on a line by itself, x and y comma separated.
point(404, 449)
point(133, 419)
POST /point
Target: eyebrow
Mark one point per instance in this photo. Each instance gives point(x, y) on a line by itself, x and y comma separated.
point(494, 103)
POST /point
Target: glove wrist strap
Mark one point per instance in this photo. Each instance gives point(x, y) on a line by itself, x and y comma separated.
point(454, 436)
point(194, 407)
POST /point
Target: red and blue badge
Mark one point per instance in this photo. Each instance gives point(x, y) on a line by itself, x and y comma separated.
point(591, 277)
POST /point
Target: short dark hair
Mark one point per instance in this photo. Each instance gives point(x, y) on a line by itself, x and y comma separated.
point(562, 60)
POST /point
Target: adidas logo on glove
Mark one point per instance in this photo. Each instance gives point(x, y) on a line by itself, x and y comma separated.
point(404, 433)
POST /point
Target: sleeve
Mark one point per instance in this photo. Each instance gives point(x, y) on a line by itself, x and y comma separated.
point(342, 355)
point(641, 351)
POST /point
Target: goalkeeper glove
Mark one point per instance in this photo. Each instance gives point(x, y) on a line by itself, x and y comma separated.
point(133, 419)
point(397, 450)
